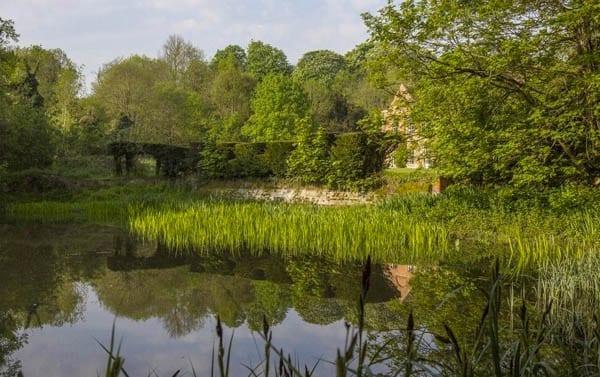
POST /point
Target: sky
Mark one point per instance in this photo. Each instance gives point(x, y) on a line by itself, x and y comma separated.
point(94, 32)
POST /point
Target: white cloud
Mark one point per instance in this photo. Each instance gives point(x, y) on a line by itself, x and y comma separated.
point(93, 32)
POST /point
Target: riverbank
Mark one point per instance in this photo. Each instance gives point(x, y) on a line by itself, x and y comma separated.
point(546, 243)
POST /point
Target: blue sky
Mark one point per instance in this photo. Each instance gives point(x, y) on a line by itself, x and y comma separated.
point(94, 32)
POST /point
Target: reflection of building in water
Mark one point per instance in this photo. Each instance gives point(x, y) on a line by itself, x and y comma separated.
point(399, 275)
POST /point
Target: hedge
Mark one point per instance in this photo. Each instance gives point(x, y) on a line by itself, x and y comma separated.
point(353, 156)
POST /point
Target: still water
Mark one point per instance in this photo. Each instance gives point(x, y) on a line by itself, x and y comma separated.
point(61, 288)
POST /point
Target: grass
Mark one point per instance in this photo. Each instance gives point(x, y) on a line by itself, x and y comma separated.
point(344, 233)
point(456, 226)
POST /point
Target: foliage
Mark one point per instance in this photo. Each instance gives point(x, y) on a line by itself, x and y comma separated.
point(330, 108)
point(7, 32)
point(512, 103)
point(26, 138)
point(214, 160)
point(238, 53)
point(276, 156)
point(308, 162)
point(278, 107)
point(401, 156)
point(321, 65)
point(248, 161)
point(177, 115)
point(230, 93)
point(179, 55)
point(263, 60)
point(347, 160)
point(354, 157)
point(59, 83)
point(10, 341)
point(125, 89)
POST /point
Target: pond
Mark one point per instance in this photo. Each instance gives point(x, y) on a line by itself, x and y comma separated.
point(64, 287)
point(61, 288)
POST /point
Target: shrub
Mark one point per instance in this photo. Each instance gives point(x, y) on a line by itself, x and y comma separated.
point(214, 161)
point(276, 155)
point(248, 161)
point(347, 158)
point(308, 163)
point(400, 156)
point(574, 197)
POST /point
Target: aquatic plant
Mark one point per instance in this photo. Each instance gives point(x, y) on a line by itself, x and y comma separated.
point(345, 233)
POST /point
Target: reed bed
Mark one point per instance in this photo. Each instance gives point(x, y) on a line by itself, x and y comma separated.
point(404, 228)
point(579, 240)
point(345, 233)
point(574, 286)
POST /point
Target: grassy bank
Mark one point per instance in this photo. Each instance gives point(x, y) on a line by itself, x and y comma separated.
point(460, 225)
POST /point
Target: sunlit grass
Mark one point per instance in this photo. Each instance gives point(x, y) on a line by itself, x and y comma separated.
point(457, 226)
point(345, 233)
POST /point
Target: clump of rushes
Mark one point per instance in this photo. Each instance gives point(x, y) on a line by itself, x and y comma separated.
point(344, 233)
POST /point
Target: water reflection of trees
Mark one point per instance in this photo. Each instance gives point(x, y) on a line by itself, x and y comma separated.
point(47, 270)
point(39, 272)
point(182, 289)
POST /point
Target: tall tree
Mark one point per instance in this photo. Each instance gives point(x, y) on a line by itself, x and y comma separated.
point(179, 55)
point(264, 59)
point(278, 106)
point(231, 93)
point(26, 138)
point(125, 87)
point(321, 65)
point(177, 115)
point(59, 81)
point(507, 92)
point(7, 32)
point(238, 53)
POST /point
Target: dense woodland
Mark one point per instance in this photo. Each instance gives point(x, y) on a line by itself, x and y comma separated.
point(501, 92)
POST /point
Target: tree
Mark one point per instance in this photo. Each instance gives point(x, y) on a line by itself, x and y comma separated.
point(514, 102)
point(125, 88)
point(26, 138)
point(7, 32)
point(357, 84)
point(238, 53)
point(316, 71)
point(321, 65)
point(231, 93)
point(264, 59)
point(176, 113)
point(278, 106)
point(179, 55)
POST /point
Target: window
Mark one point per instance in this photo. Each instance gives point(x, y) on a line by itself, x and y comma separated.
point(411, 158)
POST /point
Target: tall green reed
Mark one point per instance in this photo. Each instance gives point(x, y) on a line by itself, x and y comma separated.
point(345, 233)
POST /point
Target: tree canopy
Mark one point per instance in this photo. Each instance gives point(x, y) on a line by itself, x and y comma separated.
point(277, 108)
point(264, 59)
point(322, 65)
point(506, 92)
point(177, 97)
point(238, 53)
